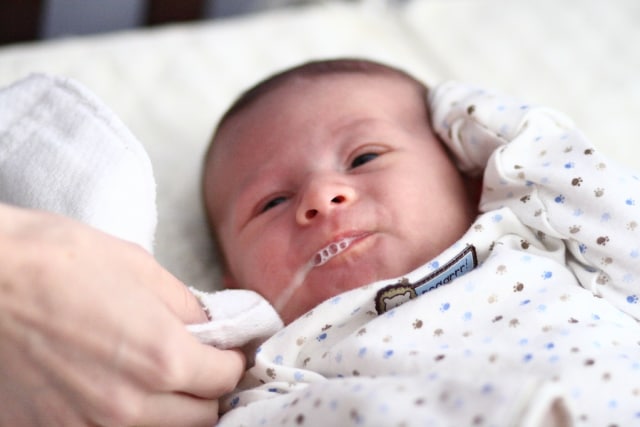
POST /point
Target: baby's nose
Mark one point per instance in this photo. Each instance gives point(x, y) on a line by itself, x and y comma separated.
point(321, 199)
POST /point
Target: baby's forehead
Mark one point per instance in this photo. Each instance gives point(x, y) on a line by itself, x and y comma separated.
point(294, 86)
point(272, 109)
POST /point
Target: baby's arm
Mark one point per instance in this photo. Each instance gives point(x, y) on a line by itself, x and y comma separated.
point(538, 164)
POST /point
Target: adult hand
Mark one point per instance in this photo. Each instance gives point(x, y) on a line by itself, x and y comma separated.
point(92, 332)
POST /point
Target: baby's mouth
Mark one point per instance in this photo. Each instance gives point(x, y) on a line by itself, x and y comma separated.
point(319, 258)
point(331, 250)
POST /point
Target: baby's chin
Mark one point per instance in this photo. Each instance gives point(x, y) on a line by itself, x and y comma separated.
point(315, 291)
point(334, 278)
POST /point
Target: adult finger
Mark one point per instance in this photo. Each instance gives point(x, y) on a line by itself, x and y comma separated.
point(173, 293)
point(175, 409)
point(207, 371)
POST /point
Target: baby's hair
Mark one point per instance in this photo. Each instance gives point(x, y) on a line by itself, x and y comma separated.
point(315, 69)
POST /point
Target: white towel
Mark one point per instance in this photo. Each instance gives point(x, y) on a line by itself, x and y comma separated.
point(62, 150)
point(238, 317)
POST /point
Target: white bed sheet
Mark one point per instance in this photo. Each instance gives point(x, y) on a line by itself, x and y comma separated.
point(169, 85)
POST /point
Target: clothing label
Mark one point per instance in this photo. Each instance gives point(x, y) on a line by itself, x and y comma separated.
point(394, 295)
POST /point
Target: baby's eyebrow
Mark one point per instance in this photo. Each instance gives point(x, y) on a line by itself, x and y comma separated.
point(353, 124)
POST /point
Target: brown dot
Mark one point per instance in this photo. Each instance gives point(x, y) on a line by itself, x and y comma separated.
point(478, 420)
point(439, 357)
point(471, 109)
point(300, 419)
point(589, 362)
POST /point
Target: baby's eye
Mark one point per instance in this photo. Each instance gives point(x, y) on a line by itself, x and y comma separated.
point(273, 203)
point(362, 159)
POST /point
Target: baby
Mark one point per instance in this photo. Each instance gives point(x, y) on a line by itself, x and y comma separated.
point(328, 178)
point(343, 190)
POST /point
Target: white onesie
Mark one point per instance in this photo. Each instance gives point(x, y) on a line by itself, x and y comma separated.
point(530, 319)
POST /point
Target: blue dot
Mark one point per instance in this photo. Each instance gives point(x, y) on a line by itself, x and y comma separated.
point(322, 336)
point(559, 199)
point(467, 316)
point(362, 352)
point(435, 264)
point(278, 359)
point(299, 376)
point(547, 275)
point(550, 346)
point(569, 165)
point(525, 302)
point(387, 354)
point(527, 357)
point(496, 218)
point(630, 202)
point(445, 306)
point(632, 299)
point(234, 402)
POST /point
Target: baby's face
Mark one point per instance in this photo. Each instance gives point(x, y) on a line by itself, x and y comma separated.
point(331, 184)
